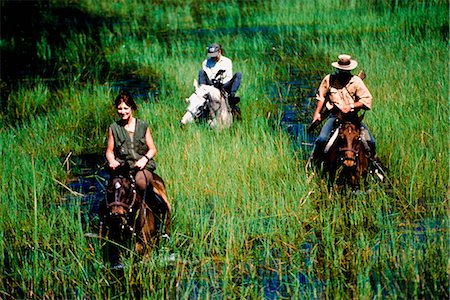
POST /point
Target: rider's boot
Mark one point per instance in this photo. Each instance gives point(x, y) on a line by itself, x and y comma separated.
point(233, 103)
point(233, 100)
point(316, 155)
point(160, 210)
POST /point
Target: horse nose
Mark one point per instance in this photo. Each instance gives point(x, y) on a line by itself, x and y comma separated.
point(117, 210)
point(184, 119)
point(349, 163)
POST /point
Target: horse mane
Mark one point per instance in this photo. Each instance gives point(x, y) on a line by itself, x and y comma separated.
point(211, 90)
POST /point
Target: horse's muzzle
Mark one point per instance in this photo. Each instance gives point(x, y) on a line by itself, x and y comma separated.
point(117, 211)
point(349, 162)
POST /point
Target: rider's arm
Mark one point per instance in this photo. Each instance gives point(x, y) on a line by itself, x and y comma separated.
point(352, 107)
point(227, 65)
point(150, 144)
point(363, 96)
point(317, 116)
point(321, 93)
point(113, 163)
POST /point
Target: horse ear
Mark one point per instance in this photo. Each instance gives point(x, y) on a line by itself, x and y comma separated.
point(195, 83)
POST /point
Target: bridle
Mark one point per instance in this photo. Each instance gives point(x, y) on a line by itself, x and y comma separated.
point(201, 108)
point(342, 150)
point(119, 190)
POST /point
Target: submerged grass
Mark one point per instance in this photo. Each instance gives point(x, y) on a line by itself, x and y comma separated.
point(248, 222)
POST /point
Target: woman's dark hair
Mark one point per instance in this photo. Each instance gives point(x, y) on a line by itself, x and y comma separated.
point(126, 98)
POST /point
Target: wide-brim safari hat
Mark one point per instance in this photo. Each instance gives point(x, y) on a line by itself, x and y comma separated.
point(345, 62)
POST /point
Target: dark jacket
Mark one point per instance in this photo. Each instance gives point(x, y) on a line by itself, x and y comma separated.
point(127, 150)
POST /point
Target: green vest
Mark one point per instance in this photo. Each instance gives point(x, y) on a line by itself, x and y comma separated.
point(130, 150)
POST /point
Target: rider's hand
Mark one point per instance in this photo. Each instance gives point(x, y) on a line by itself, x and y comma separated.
point(317, 117)
point(114, 164)
point(346, 109)
point(141, 163)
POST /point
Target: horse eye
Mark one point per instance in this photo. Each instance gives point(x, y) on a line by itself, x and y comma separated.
point(117, 185)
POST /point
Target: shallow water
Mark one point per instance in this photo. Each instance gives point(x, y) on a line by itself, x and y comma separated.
point(296, 102)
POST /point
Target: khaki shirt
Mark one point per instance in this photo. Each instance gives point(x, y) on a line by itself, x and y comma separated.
point(341, 96)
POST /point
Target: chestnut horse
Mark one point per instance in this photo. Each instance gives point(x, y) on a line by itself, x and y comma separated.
point(129, 219)
point(346, 155)
point(208, 102)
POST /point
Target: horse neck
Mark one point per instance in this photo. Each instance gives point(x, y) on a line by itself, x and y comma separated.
point(214, 93)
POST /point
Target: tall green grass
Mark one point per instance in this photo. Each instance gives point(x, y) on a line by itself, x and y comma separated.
point(247, 218)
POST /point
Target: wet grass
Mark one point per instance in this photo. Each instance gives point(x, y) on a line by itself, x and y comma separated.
point(248, 221)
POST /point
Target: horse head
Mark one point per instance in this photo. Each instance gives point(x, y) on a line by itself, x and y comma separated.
point(349, 136)
point(122, 197)
point(353, 154)
point(196, 104)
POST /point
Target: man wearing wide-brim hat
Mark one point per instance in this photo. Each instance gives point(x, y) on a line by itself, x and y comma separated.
point(343, 92)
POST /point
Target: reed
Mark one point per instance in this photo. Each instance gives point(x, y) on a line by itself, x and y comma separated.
point(248, 221)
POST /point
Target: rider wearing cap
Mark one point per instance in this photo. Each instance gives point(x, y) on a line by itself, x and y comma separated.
point(217, 70)
point(345, 92)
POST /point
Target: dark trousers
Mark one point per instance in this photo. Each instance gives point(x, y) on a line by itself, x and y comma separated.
point(231, 87)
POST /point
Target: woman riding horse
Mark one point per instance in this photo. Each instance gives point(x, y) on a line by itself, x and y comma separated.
point(130, 143)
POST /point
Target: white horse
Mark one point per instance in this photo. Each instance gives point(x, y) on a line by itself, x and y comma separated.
point(210, 99)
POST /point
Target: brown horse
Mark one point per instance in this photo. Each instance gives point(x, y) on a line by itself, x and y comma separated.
point(346, 157)
point(127, 218)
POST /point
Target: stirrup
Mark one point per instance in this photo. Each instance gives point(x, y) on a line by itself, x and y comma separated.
point(377, 169)
point(379, 175)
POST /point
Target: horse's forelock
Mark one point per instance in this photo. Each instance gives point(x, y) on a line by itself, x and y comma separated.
point(120, 186)
point(351, 128)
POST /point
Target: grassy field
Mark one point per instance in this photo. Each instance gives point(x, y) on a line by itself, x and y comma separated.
point(248, 222)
